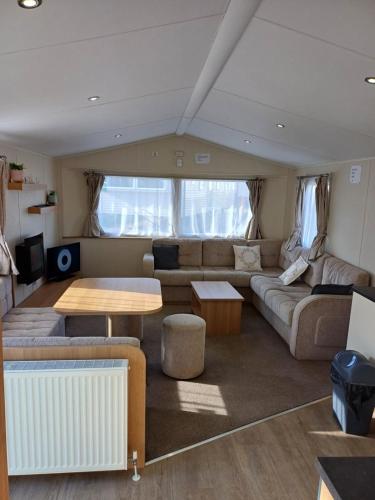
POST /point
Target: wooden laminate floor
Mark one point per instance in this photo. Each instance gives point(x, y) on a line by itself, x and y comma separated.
point(271, 460)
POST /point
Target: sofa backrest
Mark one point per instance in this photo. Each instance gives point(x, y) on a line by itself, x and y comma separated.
point(6, 300)
point(189, 249)
point(287, 257)
point(339, 272)
point(219, 252)
point(314, 274)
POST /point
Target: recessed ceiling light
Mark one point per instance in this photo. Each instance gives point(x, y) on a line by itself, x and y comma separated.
point(117, 136)
point(280, 125)
point(29, 4)
point(370, 79)
point(247, 141)
point(94, 98)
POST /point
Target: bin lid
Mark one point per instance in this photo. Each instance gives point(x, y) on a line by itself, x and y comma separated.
point(355, 368)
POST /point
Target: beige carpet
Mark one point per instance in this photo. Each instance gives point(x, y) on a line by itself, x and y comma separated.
point(247, 377)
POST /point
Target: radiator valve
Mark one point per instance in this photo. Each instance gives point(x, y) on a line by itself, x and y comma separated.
point(136, 477)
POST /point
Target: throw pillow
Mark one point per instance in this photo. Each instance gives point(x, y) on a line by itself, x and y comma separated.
point(294, 271)
point(166, 256)
point(247, 258)
point(332, 290)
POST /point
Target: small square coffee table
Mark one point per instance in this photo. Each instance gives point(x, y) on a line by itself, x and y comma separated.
point(219, 304)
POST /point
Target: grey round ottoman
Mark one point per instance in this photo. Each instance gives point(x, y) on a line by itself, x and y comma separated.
point(182, 346)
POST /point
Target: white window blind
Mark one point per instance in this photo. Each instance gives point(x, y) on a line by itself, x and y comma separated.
point(136, 206)
point(213, 208)
point(309, 223)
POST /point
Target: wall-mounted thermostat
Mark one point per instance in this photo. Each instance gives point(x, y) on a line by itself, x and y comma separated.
point(355, 174)
point(202, 158)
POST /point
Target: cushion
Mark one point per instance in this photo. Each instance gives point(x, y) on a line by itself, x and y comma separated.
point(247, 258)
point(219, 252)
point(67, 341)
point(283, 303)
point(222, 273)
point(166, 256)
point(314, 273)
point(33, 322)
point(179, 277)
point(189, 249)
point(261, 285)
point(332, 290)
point(339, 272)
point(294, 271)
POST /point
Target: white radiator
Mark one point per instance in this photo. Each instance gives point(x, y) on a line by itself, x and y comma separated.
point(66, 416)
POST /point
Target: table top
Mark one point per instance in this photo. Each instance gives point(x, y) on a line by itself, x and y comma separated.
point(215, 290)
point(348, 478)
point(111, 296)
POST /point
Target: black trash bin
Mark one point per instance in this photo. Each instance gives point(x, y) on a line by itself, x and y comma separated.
point(353, 377)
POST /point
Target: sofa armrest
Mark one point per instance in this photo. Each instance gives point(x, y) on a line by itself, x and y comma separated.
point(148, 265)
point(320, 326)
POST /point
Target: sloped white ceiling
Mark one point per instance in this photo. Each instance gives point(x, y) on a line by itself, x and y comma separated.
point(299, 62)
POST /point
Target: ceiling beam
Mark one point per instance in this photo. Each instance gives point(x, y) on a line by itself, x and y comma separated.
point(235, 22)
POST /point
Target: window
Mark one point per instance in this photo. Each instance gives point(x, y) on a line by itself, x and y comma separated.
point(148, 206)
point(309, 224)
point(136, 206)
point(213, 208)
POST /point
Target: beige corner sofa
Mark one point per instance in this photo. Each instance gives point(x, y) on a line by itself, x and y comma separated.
point(314, 326)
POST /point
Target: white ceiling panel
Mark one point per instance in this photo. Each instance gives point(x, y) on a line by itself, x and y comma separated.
point(348, 23)
point(82, 143)
point(258, 120)
point(91, 120)
point(261, 147)
point(67, 21)
point(121, 67)
point(301, 75)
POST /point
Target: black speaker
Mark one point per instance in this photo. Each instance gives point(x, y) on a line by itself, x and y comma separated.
point(64, 260)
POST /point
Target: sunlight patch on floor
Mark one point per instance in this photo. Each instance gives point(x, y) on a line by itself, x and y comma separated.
point(200, 398)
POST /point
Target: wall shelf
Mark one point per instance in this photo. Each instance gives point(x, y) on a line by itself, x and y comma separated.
point(23, 186)
point(41, 209)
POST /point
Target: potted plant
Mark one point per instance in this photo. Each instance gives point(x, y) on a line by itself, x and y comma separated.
point(16, 172)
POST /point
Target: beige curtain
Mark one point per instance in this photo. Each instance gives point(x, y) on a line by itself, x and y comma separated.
point(294, 239)
point(255, 186)
point(7, 265)
point(322, 211)
point(95, 183)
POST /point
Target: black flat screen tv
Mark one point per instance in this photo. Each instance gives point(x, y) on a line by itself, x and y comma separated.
point(63, 261)
point(30, 259)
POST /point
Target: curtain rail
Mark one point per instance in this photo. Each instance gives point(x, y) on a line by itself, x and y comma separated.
point(312, 176)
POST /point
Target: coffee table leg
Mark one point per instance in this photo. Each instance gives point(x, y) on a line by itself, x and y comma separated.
point(108, 324)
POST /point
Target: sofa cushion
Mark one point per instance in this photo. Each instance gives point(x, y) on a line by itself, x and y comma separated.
point(287, 257)
point(283, 303)
point(189, 251)
point(165, 256)
point(67, 341)
point(222, 273)
point(339, 272)
point(179, 277)
point(219, 252)
point(262, 284)
point(294, 271)
point(6, 299)
point(247, 258)
point(269, 251)
point(271, 272)
point(33, 322)
point(314, 273)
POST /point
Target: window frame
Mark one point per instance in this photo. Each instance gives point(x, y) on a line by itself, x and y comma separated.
point(176, 203)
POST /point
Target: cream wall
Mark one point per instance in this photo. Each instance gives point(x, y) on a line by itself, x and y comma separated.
point(351, 229)
point(157, 158)
point(19, 223)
